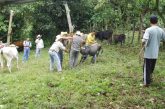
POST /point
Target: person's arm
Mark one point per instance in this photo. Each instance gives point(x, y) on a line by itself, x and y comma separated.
point(163, 35)
point(61, 46)
point(67, 38)
point(36, 41)
point(30, 44)
point(24, 42)
point(145, 38)
point(42, 43)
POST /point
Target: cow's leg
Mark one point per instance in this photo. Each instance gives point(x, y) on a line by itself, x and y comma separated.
point(9, 64)
point(1, 59)
point(98, 51)
point(17, 62)
point(109, 40)
point(94, 59)
point(83, 58)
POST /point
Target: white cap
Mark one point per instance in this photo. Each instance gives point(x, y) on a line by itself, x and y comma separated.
point(58, 37)
point(78, 33)
point(39, 36)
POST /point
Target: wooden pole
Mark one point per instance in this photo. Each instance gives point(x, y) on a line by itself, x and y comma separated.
point(68, 17)
point(9, 28)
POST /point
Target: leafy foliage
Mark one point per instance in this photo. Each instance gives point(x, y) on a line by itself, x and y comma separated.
point(48, 17)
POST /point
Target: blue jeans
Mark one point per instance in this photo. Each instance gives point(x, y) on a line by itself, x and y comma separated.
point(26, 53)
point(38, 52)
point(54, 58)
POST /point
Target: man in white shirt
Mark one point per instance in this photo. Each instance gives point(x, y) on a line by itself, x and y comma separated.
point(39, 45)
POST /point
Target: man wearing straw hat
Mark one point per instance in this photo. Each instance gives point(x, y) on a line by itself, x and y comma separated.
point(77, 41)
point(39, 45)
point(60, 52)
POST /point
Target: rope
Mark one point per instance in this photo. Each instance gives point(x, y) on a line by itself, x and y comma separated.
point(141, 54)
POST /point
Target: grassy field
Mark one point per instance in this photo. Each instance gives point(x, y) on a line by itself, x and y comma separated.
point(112, 83)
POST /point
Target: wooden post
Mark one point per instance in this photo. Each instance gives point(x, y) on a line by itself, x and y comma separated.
point(68, 17)
point(9, 28)
point(141, 27)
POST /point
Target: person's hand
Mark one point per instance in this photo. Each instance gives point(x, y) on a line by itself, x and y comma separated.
point(66, 50)
point(143, 42)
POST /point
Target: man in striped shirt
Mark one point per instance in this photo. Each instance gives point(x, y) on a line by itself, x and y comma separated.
point(27, 45)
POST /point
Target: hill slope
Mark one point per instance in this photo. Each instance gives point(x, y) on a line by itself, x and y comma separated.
point(113, 82)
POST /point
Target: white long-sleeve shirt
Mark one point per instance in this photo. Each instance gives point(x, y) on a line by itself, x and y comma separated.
point(57, 46)
point(39, 43)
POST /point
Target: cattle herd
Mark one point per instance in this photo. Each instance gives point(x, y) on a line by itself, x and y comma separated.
point(10, 52)
point(108, 35)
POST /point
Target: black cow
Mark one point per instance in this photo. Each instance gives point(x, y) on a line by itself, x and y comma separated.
point(105, 35)
point(119, 38)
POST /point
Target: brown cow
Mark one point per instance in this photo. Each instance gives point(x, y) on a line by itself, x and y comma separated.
point(19, 44)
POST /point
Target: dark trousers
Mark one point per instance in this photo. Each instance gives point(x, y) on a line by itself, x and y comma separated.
point(73, 60)
point(148, 68)
point(60, 54)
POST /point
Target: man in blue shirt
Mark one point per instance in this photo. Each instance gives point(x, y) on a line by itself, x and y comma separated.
point(151, 42)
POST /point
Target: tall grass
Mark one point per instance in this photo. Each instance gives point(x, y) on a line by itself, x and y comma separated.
point(113, 82)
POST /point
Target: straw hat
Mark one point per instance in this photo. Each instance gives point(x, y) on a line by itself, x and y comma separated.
point(39, 36)
point(63, 33)
point(28, 39)
point(58, 37)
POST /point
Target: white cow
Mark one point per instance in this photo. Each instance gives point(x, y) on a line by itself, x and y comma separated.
point(8, 53)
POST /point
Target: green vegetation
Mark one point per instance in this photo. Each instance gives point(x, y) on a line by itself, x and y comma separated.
point(48, 17)
point(113, 82)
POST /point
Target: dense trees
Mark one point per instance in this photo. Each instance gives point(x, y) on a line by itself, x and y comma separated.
point(48, 17)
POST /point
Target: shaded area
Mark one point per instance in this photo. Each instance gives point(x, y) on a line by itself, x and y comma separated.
point(4, 2)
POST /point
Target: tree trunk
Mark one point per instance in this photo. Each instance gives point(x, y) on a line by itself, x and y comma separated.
point(133, 32)
point(9, 28)
point(160, 13)
point(68, 17)
point(141, 27)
